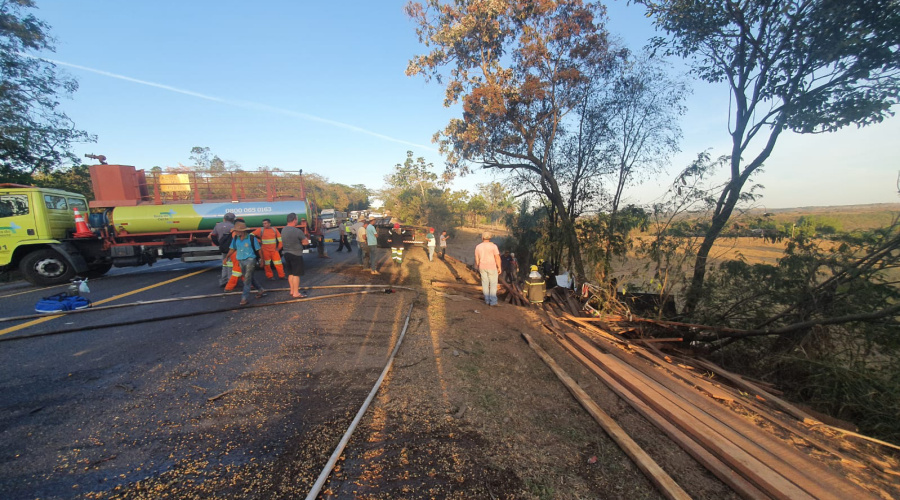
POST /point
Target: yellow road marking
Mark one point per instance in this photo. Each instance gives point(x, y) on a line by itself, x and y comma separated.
point(104, 301)
point(31, 291)
point(95, 280)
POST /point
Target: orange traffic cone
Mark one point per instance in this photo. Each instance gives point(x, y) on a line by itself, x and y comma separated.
point(81, 228)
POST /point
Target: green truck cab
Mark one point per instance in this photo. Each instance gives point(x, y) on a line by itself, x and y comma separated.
point(36, 225)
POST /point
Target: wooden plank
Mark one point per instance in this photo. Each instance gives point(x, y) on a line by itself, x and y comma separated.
point(756, 471)
point(724, 472)
point(752, 388)
point(747, 435)
point(796, 474)
point(726, 393)
point(666, 485)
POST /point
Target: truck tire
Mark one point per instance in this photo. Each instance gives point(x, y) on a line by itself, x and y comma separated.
point(98, 270)
point(46, 267)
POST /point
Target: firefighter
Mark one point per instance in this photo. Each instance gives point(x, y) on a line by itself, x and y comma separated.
point(270, 248)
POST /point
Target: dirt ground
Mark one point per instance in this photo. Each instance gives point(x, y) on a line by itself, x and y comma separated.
point(470, 411)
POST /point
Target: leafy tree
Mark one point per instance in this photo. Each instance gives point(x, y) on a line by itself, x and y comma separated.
point(528, 227)
point(35, 136)
point(642, 108)
point(76, 179)
point(802, 65)
point(499, 200)
point(477, 207)
point(413, 174)
point(415, 195)
point(204, 160)
point(517, 68)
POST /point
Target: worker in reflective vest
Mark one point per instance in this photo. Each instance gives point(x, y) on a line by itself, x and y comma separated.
point(269, 250)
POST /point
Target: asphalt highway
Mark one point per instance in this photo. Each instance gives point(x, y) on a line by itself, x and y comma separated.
point(202, 404)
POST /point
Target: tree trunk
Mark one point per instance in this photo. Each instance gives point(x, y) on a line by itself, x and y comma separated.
point(719, 220)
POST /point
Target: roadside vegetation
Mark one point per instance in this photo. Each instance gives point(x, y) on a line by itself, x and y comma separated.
point(571, 121)
point(821, 321)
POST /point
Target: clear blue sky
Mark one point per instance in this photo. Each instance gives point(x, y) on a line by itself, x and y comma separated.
point(320, 86)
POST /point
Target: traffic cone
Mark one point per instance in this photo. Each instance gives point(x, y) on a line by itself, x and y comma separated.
point(81, 228)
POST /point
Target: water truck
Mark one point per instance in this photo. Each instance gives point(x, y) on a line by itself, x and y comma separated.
point(137, 218)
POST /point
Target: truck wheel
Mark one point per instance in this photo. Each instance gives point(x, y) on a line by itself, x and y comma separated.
point(98, 270)
point(46, 267)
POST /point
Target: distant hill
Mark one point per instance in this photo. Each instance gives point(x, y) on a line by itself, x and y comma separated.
point(852, 217)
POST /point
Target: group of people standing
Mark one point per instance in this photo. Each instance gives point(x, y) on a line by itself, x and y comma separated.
point(244, 250)
point(282, 250)
point(367, 245)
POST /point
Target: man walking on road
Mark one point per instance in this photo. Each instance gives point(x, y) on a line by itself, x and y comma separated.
point(244, 246)
point(372, 241)
point(487, 261)
point(294, 239)
point(343, 234)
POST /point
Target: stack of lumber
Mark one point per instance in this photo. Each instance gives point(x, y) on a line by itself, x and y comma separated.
point(514, 294)
point(561, 301)
point(759, 445)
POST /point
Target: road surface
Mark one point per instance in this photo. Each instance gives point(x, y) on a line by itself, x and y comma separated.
point(205, 404)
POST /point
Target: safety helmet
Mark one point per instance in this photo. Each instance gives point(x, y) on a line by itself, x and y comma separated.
point(534, 268)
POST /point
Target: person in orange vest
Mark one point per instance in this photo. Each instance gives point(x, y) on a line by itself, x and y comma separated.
point(271, 245)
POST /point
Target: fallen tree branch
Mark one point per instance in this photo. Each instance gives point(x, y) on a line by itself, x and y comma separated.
point(723, 332)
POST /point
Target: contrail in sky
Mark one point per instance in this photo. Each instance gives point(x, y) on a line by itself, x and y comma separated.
point(241, 104)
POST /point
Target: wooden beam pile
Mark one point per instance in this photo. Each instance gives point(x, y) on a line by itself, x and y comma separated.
point(760, 451)
point(514, 293)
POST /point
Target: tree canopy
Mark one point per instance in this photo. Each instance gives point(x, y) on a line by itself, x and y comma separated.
point(517, 68)
point(807, 66)
point(35, 136)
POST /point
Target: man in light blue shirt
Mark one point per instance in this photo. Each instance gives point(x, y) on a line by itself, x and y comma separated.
point(372, 241)
point(244, 245)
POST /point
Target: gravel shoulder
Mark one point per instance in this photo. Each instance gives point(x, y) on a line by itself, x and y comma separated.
point(469, 411)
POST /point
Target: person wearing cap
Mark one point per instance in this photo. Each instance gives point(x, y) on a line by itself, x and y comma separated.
point(487, 261)
point(397, 245)
point(219, 231)
point(244, 247)
point(431, 243)
point(372, 241)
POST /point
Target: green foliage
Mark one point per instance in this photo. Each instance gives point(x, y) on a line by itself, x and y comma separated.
point(205, 161)
point(518, 69)
point(603, 236)
point(835, 304)
point(811, 226)
point(35, 137)
point(801, 65)
point(76, 179)
point(413, 195)
point(531, 238)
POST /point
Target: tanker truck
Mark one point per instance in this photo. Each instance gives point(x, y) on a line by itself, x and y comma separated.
point(137, 218)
